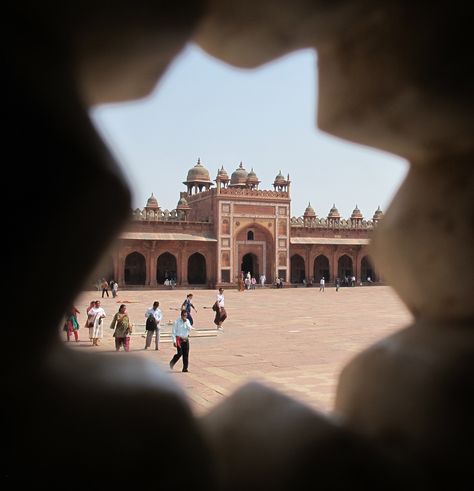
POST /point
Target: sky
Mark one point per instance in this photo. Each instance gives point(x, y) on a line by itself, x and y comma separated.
point(265, 118)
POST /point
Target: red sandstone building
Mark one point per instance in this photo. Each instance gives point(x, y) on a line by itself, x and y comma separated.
point(216, 233)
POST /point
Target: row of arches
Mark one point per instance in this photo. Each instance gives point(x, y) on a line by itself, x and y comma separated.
point(345, 268)
point(166, 268)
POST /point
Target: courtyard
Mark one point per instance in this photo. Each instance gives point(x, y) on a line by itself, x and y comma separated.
point(295, 340)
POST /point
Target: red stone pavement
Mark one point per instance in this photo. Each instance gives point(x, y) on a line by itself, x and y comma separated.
point(295, 340)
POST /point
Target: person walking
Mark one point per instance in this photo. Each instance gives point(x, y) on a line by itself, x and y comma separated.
point(114, 289)
point(338, 283)
point(153, 318)
point(187, 305)
point(219, 309)
point(94, 322)
point(180, 333)
point(262, 280)
point(123, 328)
point(322, 284)
point(71, 325)
point(105, 287)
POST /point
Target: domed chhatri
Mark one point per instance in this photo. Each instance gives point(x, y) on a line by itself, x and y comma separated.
point(356, 214)
point(198, 179)
point(239, 177)
point(252, 179)
point(279, 180)
point(309, 212)
point(198, 173)
point(222, 174)
point(334, 213)
point(152, 202)
point(378, 215)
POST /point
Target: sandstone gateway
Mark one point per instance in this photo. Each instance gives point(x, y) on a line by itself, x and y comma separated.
point(215, 233)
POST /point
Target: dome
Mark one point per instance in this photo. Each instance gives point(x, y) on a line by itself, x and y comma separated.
point(309, 212)
point(222, 174)
point(333, 212)
point(252, 177)
point(239, 176)
point(356, 214)
point(279, 179)
point(152, 202)
point(378, 215)
point(198, 173)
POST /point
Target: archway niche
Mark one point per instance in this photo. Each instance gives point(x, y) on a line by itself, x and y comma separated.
point(297, 269)
point(135, 269)
point(367, 270)
point(166, 268)
point(344, 267)
point(321, 268)
point(250, 264)
point(197, 269)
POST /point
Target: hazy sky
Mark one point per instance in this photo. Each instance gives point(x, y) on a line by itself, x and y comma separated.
point(264, 118)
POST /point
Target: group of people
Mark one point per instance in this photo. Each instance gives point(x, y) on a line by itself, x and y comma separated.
point(249, 282)
point(123, 327)
point(105, 285)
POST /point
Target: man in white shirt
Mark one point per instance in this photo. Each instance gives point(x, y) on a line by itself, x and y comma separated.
point(321, 284)
point(153, 317)
point(180, 333)
point(262, 280)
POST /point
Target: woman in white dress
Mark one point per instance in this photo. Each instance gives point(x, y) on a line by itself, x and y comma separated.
point(95, 323)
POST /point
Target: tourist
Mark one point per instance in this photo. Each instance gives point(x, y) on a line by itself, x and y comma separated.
point(219, 309)
point(115, 289)
point(153, 318)
point(262, 280)
point(123, 328)
point(187, 305)
point(71, 325)
point(253, 282)
point(91, 304)
point(105, 287)
point(322, 284)
point(180, 333)
point(338, 283)
point(94, 323)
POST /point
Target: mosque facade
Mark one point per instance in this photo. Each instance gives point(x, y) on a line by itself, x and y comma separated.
point(224, 228)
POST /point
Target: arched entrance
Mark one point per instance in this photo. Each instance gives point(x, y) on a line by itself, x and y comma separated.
point(344, 267)
point(135, 269)
point(321, 268)
point(196, 269)
point(367, 270)
point(297, 269)
point(250, 263)
point(166, 268)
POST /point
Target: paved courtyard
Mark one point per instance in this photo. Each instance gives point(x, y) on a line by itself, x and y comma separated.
point(295, 340)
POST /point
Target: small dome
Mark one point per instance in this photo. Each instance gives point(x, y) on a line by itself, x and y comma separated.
point(152, 202)
point(198, 173)
point(252, 177)
point(378, 215)
point(222, 174)
point(279, 180)
point(334, 212)
point(356, 214)
point(239, 176)
point(309, 212)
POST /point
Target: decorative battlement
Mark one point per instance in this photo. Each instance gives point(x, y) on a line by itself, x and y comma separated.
point(159, 215)
point(330, 223)
point(258, 193)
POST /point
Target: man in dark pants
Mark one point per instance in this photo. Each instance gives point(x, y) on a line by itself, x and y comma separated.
point(180, 334)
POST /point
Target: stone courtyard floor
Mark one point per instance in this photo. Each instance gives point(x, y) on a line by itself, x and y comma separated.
point(295, 340)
